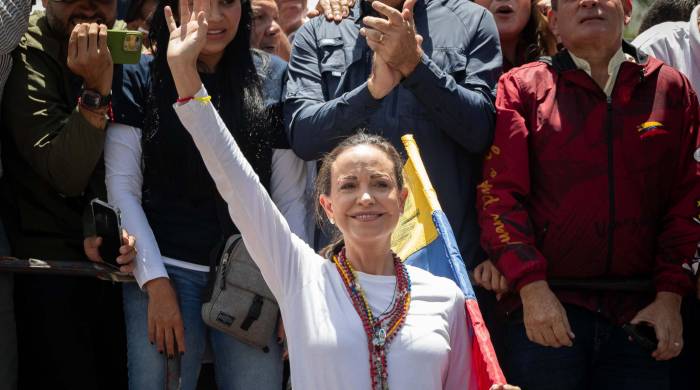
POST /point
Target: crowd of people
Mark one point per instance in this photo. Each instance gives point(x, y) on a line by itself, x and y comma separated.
point(565, 158)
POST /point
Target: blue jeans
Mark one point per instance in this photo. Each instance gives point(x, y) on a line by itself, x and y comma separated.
point(237, 366)
point(601, 357)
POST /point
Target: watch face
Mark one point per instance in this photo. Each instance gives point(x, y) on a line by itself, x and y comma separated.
point(91, 99)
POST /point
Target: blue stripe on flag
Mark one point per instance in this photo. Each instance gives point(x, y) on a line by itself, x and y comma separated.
point(442, 258)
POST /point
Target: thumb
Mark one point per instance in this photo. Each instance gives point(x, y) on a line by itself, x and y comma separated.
point(419, 39)
point(407, 11)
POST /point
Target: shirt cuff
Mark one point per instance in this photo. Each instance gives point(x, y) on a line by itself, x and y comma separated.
point(361, 97)
point(420, 74)
point(144, 271)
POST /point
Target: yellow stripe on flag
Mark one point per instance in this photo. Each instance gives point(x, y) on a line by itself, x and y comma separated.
point(416, 228)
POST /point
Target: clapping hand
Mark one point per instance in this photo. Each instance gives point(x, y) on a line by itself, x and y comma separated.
point(395, 38)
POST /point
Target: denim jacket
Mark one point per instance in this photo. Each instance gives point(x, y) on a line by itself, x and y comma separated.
point(446, 103)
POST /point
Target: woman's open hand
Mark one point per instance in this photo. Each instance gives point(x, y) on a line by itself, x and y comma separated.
point(186, 42)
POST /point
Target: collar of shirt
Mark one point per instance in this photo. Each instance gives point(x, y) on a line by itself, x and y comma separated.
point(613, 67)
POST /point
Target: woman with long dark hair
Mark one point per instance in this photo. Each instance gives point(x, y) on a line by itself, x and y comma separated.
point(156, 176)
point(523, 31)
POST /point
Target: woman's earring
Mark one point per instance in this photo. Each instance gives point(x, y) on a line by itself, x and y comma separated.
point(331, 220)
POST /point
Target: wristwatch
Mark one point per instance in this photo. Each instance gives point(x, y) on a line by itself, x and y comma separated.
point(94, 100)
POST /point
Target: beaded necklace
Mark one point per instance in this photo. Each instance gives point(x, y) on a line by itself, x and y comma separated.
point(381, 330)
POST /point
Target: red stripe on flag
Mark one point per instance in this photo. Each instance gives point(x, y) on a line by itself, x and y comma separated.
point(484, 361)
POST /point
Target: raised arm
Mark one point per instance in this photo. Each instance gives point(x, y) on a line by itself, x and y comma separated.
point(283, 257)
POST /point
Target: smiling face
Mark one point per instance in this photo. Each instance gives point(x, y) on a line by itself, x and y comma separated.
point(64, 15)
point(265, 29)
point(590, 24)
point(511, 16)
point(365, 200)
point(223, 22)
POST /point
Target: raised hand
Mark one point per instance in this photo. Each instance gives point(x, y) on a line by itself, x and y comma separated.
point(395, 38)
point(335, 10)
point(186, 42)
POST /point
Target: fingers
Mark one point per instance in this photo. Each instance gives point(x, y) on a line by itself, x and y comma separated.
point(477, 275)
point(419, 40)
point(169, 19)
point(372, 34)
point(561, 335)
point(313, 13)
point(567, 326)
point(495, 278)
point(202, 21)
point(202, 6)
point(663, 346)
point(379, 24)
point(151, 329)
point(502, 285)
point(337, 12)
point(91, 246)
point(160, 337)
point(102, 39)
point(324, 7)
point(185, 12)
point(392, 14)
point(93, 31)
point(169, 342)
point(73, 44)
point(344, 8)
point(179, 330)
point(407, 11)
point(82, 38)
point(127, 252)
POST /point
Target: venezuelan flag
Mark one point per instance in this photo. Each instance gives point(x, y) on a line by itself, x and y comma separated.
point(424, 239)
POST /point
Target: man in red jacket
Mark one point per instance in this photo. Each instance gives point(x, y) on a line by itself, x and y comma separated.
point(592, 181)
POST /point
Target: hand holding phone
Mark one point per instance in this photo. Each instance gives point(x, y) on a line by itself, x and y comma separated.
point(125, 46)
point(642, 334)
point(107, 226)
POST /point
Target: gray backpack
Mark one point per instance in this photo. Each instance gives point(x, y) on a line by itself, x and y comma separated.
point(241, 304)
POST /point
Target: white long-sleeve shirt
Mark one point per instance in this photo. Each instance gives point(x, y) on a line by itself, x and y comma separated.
point(327, 343)
point(677, 44)
point(124, 179)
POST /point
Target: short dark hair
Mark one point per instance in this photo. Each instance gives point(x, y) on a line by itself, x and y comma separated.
point(668, 11)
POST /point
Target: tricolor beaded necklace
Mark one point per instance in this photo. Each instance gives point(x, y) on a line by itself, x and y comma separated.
point(380, 331)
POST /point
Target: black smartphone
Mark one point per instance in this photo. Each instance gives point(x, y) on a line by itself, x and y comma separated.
point(108, 226)
point(643, 334)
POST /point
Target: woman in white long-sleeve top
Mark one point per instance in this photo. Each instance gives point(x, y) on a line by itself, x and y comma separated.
point(156, 176)
point(362, 319)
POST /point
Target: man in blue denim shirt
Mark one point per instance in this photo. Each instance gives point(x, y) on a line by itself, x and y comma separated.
point(440, 90)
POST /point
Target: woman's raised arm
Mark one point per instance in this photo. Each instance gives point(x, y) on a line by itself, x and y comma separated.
point(283, 257)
